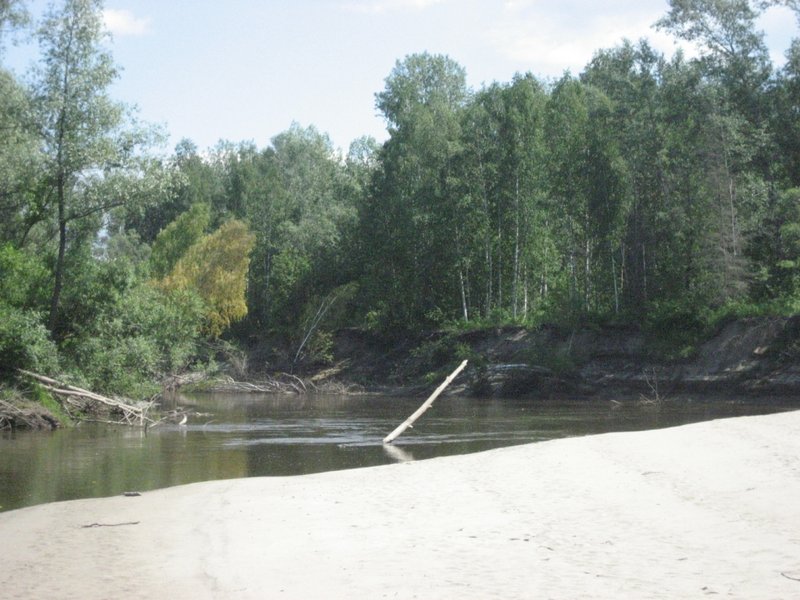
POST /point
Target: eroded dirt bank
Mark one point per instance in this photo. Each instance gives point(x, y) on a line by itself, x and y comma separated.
point(745, 356)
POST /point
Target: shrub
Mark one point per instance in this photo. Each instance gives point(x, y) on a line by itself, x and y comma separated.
point(132, 344)
point(25, 342)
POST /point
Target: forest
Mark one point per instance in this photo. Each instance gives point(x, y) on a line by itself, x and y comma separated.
point(651, 191)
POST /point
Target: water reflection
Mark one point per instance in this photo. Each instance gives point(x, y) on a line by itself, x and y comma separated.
point(235, 435)
point(397, 454)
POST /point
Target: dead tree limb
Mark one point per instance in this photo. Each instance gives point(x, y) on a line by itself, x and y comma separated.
point(130, 414)
point(425, 406)
point(324, 306)
point(91, 525)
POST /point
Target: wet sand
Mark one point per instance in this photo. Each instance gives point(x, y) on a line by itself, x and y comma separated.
point(711, 509)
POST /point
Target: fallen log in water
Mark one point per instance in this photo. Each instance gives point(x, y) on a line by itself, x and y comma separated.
point(84, 400)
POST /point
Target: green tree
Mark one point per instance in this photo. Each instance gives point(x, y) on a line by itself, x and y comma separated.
point(785, 127)
point(587, 181)
point(503, 206)
point(775, 250)
point(24, 341)
point(409, 220)
point(84, 133)
point(732, 49)
point(521, 187)
point(188, 178)
point(20, 163)
point(299, 199)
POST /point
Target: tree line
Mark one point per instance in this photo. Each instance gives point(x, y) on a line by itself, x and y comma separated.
point(648, 190)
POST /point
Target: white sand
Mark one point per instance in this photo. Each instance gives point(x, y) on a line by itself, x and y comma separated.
point(704, 510)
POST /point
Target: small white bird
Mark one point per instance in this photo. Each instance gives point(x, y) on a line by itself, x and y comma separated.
point(183, 420)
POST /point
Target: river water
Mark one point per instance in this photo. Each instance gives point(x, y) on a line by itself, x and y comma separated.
point(250, 435)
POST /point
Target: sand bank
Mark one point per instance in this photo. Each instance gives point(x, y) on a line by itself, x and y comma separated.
point(711, 509)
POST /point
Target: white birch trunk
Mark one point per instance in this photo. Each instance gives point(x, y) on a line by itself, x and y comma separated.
point(425, 406)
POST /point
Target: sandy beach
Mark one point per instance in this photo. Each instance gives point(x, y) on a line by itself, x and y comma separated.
point(711, 509)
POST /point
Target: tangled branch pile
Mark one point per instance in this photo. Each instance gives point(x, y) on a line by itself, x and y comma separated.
point(282, 383)
point(78, 402)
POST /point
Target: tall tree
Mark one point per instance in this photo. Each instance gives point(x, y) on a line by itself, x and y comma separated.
point(732, 49)
point(83, 130)
point(20, 162)
point(18, 144)
point(410, 218)
point(785, 126)
point(587, 183)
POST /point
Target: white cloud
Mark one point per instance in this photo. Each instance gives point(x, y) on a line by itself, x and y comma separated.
point(124, 22)
point(780, 27)
point(384, 6)
point(513, 5)
point(548, 42)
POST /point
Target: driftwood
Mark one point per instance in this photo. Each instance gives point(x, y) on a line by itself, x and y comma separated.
point(82, 400)
point(174, 382)
point(283, 383)
point(425, 406)
point(91, 525)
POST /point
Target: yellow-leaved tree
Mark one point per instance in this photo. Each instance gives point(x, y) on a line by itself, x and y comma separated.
point(215, 268)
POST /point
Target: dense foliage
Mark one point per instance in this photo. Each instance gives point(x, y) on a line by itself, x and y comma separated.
point(650, 190)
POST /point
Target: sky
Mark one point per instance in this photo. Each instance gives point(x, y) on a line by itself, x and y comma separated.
point(245, 70)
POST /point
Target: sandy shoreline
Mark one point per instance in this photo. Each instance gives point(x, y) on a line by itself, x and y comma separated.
point(701, 510)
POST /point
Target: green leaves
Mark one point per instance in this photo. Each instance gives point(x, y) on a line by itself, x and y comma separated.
point(24, 342)
point(422, 80)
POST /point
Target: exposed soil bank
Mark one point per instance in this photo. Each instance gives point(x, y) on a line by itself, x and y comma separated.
point(18, 413)
point(688, 512)
point(746, 356)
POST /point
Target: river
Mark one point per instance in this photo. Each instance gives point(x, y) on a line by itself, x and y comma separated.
point(249, 435)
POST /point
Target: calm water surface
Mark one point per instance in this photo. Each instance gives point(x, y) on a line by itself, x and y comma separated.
point(247, 435)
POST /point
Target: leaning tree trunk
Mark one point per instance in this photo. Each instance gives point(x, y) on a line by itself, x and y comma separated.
point(59, 268)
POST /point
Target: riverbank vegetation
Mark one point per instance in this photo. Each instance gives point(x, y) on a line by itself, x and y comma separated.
point(651, 191)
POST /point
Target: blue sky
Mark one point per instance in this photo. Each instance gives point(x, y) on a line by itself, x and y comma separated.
point(246, 69)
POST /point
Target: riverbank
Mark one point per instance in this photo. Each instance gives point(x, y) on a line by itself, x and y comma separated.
point(756, 356)
point(676, 513)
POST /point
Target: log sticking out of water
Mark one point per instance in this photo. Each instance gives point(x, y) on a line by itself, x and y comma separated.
point(80, 398)
point(425, 406)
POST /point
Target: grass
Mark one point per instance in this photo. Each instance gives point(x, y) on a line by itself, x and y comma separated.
point(44, 398)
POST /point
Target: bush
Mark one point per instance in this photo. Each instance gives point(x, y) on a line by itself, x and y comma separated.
point(24, 280)
point(25, 342)
point(676, 327)
point(132, 344)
